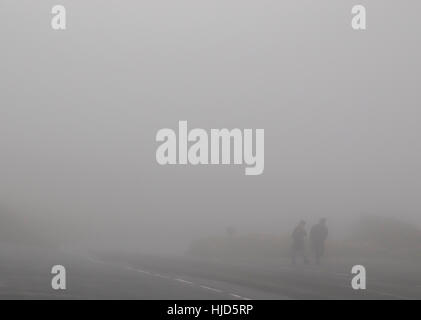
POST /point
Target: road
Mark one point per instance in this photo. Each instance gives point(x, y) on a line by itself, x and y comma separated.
point(25, 273)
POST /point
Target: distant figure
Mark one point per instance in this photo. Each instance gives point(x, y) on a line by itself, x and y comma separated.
point(318, 235)
point(299, 236)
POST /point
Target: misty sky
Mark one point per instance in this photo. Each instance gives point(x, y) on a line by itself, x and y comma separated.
point(79, 111)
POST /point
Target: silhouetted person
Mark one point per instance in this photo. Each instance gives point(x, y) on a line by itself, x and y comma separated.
point(299, 236)
point(318, 235)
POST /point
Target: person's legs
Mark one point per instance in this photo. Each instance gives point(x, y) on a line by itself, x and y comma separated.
point(293, 256)
point(314, 252)
point(303, 254)
point(319, 252)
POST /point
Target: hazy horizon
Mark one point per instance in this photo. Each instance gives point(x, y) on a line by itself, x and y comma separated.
point(80, 109)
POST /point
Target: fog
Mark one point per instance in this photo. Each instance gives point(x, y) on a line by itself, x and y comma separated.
point(80, 109)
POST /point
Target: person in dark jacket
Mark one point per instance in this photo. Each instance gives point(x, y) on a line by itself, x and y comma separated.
point(318, 235)
point(299, 237)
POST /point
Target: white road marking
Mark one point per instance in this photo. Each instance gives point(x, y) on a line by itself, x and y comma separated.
point(139, 270)
point(238, 297)
point(176, 279)
point(211, 289)
point(184, 281)
point(143, 271)
point(161, 276)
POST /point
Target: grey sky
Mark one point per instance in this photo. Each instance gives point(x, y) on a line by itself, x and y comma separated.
point(79, 111)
